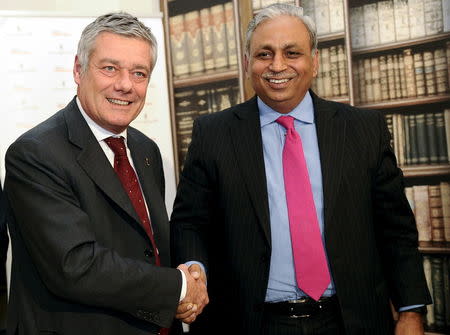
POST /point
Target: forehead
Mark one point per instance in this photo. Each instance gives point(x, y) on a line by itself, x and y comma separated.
point(123, 47)
point(280, 30)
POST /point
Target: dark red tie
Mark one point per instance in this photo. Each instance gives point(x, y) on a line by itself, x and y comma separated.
point(130, 183)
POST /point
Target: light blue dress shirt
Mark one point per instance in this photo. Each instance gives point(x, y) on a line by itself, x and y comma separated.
point(282, 282)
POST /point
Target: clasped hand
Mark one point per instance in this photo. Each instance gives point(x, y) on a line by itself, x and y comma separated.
point(196, 294)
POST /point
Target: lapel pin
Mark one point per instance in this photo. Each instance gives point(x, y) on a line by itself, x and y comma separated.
point(147, 161)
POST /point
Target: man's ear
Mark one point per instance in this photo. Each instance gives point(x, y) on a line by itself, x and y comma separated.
point(77, 70)
point(246, 60)
point(316, 63)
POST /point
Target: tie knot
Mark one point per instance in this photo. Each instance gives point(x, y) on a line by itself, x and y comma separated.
point(286, 121)
point(117, 145)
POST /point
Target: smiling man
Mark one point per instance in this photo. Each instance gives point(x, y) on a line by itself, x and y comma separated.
point(89, 228)
point(295, 205)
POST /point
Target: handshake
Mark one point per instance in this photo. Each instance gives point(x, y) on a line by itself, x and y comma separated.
point(196, 294)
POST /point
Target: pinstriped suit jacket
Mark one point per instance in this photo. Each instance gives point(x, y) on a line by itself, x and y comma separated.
point(221, 218)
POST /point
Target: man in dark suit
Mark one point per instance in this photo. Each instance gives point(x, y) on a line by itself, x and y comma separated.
point(89, 228)
point(3, 254)
point(238, 211)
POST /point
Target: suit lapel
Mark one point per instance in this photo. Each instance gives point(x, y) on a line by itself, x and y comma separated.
point(331, 137)
point(93, 160)
point(247, 142)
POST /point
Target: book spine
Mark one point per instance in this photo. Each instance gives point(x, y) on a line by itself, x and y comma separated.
point(231, 34)
point(207, 38)
point(368, 83)
point(447, 131)
point(440, 69)
point(397, 78)
point(413, 139)
point(185, 114)
point(445, 196)
point(407, 139)
point(336, 9)
point(371, 28)
point(362, 81)
point(220, 36)
point(437, 277)
point(422, 145)
point(401, 20)
point(437, 222)
point(440, 138)
point(430, 126)
point(430, 308)
point(416, 18)
point(386, 21)
point(410, 77)
point(383, 78)
point(422, 212)
point(194, 41)
point(178, 42)
point(391, 76)
point(430, 75)
point(401, 66)
point(357, 27)
point(334, 71)
point(433, 17)
point(446, 26)
point(419, 74)
point(376, 83)
point(342, 69)
point(322, 13)
point(326, 63)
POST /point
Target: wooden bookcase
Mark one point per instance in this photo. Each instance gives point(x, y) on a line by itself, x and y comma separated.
point(415, 174)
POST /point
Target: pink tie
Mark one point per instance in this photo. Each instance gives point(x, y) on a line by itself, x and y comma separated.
point(311, 269)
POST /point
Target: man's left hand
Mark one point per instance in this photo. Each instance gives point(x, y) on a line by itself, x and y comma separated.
point(409, 323)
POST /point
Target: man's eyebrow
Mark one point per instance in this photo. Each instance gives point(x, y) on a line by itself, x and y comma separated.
point(116, 62)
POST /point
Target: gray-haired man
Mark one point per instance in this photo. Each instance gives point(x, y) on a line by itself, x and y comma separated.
point(89, 228)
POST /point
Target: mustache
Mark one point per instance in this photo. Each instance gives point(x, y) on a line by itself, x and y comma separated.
point(279, 75)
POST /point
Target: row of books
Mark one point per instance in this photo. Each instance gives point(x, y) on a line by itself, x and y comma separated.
point(258, 4)
point(397, 20)
point(193, 102)
point(402, 75)
point(421, 138)
point(431, 207)
point(332, 78)
point(437, 274)
point(328, 15)
point(203, 40)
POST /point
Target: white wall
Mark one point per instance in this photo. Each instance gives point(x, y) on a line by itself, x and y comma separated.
point(84, 7)
point(90, 8)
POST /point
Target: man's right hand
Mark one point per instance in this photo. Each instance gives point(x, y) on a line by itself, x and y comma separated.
point(196, 294)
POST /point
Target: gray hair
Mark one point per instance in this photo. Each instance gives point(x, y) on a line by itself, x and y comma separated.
point(277, 10)
point(117, 23)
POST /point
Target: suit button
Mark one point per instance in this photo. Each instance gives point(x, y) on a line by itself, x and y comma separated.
point(148, 253)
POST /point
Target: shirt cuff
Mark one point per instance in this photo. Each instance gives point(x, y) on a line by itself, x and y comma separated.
point(406, 308)
point(183, 286)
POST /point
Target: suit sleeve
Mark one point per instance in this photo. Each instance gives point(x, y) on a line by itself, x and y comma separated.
point(396, 230)
point(63, 243)
point(191, 216)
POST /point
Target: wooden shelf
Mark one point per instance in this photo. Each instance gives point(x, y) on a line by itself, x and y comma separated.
point(204, 78)
point(401, 44)
point(344, 100)
point(426, 170)
point(331, 37)
point(431, 99)
point(434, 247)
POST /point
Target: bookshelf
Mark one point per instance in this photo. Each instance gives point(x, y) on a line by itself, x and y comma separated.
point(393, 44)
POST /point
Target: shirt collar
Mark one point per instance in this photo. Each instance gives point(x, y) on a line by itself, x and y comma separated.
point(100, 133)
point(303, 112)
